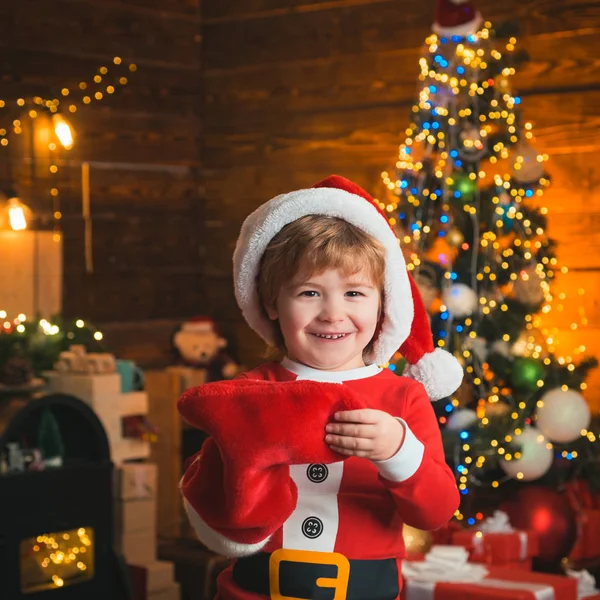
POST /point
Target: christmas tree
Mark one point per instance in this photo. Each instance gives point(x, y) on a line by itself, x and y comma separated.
point(465, 200)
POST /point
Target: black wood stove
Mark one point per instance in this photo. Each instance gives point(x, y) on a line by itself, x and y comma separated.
point(56, 524)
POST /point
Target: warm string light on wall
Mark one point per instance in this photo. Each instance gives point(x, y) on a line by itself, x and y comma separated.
point(103, 84)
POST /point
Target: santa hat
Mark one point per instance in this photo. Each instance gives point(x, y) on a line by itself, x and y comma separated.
point(456, 17)
point(199, 325)
point(405, 324)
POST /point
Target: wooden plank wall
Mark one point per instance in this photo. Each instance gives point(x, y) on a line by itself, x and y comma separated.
point(142, 143)
point(297, 89)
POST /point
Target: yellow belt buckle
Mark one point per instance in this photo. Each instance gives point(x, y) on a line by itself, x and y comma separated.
point(339, 583)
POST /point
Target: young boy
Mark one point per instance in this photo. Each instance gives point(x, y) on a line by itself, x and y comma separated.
point(320, 274)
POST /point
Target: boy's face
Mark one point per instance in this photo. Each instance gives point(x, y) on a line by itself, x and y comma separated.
point(343, 308)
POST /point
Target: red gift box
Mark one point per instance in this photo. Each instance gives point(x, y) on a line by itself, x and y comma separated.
point(500, 584)
point(587, 544)
point(499, 549)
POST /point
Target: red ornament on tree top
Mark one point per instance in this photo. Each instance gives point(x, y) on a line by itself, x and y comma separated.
point(456, 17)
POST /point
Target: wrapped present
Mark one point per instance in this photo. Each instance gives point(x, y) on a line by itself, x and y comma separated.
point(586, 585)
point(445, 575)
point(496, 543)
point(587, 544)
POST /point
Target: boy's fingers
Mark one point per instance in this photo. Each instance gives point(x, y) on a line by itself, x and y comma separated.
point(352, 430)
point(351, 443)
point(349, 452)
point(363, 415)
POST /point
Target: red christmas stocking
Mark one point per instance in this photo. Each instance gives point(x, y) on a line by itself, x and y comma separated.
point(240, 484)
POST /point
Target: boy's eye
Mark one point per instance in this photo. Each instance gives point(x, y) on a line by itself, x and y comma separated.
point(309, 294)
point(354, 294)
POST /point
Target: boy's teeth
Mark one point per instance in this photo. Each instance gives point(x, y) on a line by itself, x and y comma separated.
point(330, 337)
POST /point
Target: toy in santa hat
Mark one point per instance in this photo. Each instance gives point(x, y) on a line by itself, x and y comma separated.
point(456, 17)
point(405, 324)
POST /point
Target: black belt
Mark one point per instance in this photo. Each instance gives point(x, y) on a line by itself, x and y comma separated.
point(368, 579)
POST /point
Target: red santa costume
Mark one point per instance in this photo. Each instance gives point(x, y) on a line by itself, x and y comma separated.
point(301, 520)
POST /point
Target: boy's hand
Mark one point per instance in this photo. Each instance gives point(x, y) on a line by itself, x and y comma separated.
point(366, 433)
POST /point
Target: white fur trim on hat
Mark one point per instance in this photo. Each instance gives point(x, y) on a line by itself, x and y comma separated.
point(268, 220)
point(438, 371)
point(463, 30)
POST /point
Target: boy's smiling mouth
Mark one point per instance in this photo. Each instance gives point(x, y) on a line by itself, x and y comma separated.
point(330, 336)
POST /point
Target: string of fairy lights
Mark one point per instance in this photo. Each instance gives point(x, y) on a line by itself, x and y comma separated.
point(104, 83)
point(438, 173)
point(21, 322)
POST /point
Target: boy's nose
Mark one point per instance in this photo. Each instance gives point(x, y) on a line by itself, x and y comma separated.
point(332, 313)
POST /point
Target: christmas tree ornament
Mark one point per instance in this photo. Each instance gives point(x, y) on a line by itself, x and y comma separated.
point(478, 346)
point(472, 145)
point(562, 415)
point(456, 18)
point(502, 348)
point(526, 372)
point(527, 288)
point(461, 418)
point(441, 252)
point(428, 289)
point(535, 456)
point(528, 165)
point(455, 237)
point(463, 188)
point(460, 300)
point(548, 513)
point(496, 409)
point(416, 541)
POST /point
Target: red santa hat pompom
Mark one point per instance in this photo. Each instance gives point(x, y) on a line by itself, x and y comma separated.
point(405, 325)
point(456, 17)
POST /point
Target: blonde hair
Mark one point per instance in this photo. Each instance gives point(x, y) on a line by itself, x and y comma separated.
point(309, 246)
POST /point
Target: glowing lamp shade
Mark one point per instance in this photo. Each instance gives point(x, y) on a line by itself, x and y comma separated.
point(18, 215)
point(64, 131)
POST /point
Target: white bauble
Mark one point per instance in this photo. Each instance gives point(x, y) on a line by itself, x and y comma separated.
point(563, 415)
point(536, 457)
point(502, 348)
point(478, 346)
point(527, 288)
point(530, 168)
point(461, 418)
point(460, 300)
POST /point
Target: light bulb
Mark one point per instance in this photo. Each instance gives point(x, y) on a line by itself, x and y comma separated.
point(64, 131)
point(17, 214)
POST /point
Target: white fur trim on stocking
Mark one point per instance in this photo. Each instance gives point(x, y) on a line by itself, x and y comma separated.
point(219, 543)
point(438, 371)
point(268, 220)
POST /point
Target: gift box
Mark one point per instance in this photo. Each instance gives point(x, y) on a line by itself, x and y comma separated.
point(511, 549)
point(587, 544)
point(499, 584)
point(587, 514)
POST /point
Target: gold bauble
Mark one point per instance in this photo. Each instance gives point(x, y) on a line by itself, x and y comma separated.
point(416, 541)
point(455, 237)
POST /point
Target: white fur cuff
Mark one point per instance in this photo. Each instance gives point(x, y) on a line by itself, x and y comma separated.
point(406, 462)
